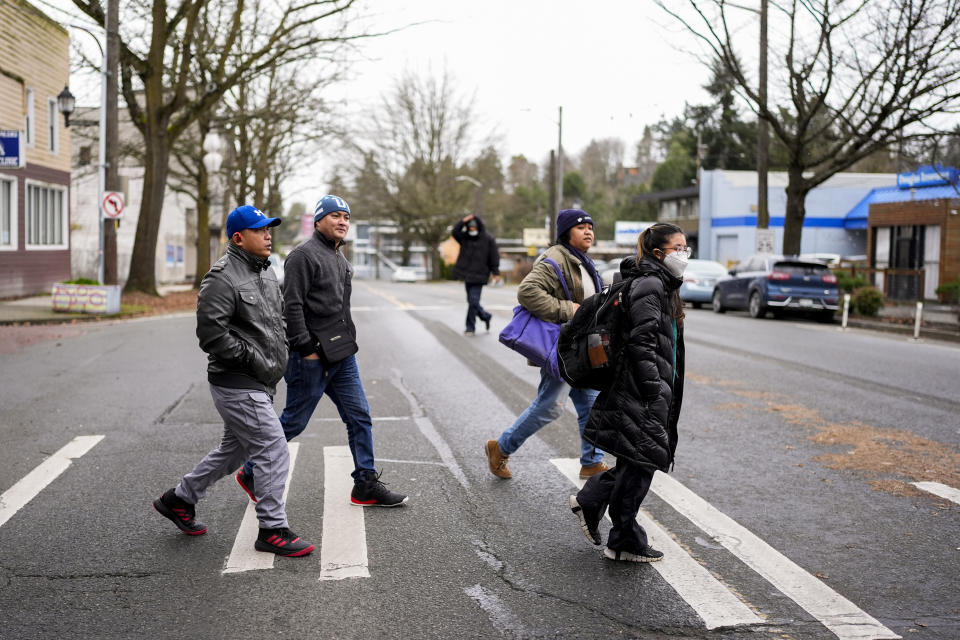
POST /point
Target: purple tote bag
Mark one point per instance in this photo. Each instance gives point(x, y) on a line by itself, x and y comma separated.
point(533, 338)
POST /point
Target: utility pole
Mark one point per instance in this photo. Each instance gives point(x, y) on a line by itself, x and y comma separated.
point(554, 203)
point(763, 135)
point(559, 162)
point(112, 179)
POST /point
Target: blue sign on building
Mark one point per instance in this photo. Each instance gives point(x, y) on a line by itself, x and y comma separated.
point(928, 176)
point(12, 152)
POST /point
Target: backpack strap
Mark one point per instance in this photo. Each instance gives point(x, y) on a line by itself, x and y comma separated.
point(563, 283)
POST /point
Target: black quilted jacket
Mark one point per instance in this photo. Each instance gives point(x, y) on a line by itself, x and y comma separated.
point(636, 419)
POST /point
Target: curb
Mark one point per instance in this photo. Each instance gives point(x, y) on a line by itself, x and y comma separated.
point(931, 333)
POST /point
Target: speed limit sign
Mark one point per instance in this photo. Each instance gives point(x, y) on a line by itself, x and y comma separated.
point(112, 204)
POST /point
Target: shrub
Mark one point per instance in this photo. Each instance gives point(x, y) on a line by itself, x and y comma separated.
point(867, 301)
point(847, 283)
point(949, 292)
point(83, 281)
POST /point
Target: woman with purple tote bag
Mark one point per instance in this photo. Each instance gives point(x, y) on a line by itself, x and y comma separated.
point(561, 278)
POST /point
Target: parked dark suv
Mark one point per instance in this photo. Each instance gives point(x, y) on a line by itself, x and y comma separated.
point(778, 284)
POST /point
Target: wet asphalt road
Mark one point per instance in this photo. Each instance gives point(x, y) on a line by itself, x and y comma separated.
point(807, 436)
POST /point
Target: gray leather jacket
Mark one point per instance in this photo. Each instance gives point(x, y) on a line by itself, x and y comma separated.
point(240, 323)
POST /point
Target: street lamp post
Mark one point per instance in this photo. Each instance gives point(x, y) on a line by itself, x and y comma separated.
point(478, 194)
point(66, 103)
point(212, 161)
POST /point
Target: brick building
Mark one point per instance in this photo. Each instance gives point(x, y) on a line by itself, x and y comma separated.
point(34, 194)
point(915, 226)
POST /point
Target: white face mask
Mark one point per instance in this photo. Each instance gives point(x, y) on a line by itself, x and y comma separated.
point(473, 232)
point(675, 263)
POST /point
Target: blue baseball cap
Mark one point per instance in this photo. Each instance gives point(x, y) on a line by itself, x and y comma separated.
point(248, 217)
point(329, 204)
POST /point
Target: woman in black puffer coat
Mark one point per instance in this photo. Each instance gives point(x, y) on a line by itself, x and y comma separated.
point(636, 419)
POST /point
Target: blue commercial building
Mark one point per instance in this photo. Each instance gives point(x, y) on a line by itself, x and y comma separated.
point(728, 213)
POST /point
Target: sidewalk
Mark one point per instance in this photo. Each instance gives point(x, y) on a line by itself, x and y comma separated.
point(938, 321)
point(39, 309)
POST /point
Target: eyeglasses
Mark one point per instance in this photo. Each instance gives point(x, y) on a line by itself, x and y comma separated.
point(682, 250)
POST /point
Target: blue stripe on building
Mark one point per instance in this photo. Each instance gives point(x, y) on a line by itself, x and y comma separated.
point(751, 221)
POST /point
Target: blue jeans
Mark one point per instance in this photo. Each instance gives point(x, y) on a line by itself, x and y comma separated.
point(551, 396)
point(307, 381)
point(474, 310)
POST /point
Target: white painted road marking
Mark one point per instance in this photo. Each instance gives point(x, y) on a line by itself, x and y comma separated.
point(243, 556)
point(430, 432)
point(938, 489)
point(706, 595)
point(27, 488)
point(837, 613)
point(343, 548)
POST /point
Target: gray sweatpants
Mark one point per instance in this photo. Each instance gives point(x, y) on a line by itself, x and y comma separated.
point(251, 430)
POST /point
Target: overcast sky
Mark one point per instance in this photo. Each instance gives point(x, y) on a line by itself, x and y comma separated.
point(613, 65)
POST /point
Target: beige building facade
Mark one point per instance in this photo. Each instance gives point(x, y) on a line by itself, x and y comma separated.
point(34, 195)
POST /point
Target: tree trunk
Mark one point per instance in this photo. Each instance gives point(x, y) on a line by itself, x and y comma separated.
point(797, 190)
point(143, 262)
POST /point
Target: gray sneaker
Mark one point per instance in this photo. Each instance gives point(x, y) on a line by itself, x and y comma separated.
point(591, 531)
point(647, 554)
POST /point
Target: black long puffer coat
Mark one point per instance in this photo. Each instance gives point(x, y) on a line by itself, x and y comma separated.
point(636, 419)
point(479, 255)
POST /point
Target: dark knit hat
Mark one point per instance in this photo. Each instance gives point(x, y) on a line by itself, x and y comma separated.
point(569, 218)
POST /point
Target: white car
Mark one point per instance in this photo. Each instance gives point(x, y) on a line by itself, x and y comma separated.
point(408, 274)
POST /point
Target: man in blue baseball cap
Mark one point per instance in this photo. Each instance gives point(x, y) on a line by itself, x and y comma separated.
point(240, 327)
point(323, 341)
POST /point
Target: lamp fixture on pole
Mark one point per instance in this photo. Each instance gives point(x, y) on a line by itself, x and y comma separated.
point(66, 103)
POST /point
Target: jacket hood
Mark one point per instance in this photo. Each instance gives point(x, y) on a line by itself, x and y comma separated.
point(632, 266)
point(480, 226)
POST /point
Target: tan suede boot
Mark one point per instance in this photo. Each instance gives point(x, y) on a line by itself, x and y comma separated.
point(496, 460)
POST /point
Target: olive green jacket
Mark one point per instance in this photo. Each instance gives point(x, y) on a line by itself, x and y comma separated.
point(540, 291)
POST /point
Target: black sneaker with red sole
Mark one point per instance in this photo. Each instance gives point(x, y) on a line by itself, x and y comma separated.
point(246, 483)
point(282, 542)
point(179, 512)
point(370, 492)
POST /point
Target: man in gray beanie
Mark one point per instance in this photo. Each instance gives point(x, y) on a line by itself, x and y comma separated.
point(323, 340)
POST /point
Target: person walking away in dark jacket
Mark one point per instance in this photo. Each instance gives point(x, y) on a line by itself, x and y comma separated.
point(240, 327)
point(636, 419)
point(479, 258)
point(323, 340)
point(542, 294)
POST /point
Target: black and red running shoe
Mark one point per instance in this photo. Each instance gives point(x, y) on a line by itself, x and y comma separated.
point(246, 483)
point(282, 542)
point(181, 513)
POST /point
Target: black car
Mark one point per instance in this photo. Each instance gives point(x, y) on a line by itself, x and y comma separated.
point(779, 284)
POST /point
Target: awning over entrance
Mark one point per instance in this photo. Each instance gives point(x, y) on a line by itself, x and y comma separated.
point(856, 218)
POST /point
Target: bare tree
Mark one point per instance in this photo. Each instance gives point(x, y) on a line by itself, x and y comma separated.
point(854, 78)
point(159, 49)
point(418, 140)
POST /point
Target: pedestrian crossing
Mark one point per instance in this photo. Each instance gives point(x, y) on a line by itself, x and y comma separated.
point(28, 487)
point(716, 605)
point(343, 544)
point(834, 611)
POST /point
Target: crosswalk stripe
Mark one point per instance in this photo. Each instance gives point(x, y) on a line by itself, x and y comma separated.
point(938, 489)
point(343, 549)
point(706, 595)
point(838, 614)
point(27, 488)
point(243, 556)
